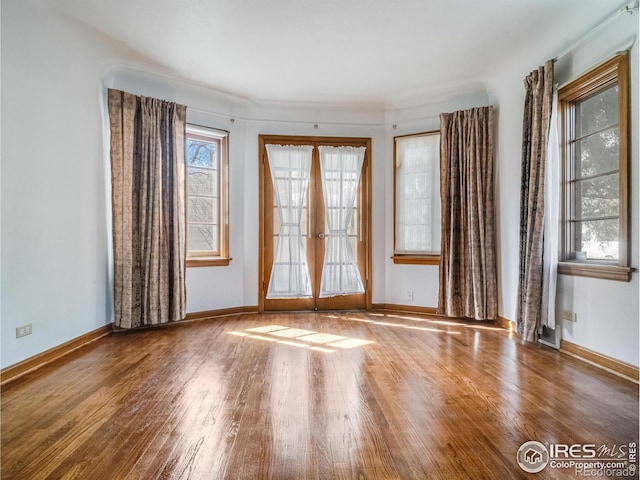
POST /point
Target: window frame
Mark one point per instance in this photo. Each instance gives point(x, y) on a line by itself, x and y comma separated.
point(221, 137)
point(402, 258)
point(613, 71)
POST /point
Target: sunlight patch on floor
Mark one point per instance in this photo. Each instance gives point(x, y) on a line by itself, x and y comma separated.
point(299, 337)
point(323, 338)
point(262, 337)
point(292, 332)
point(401, 325)
point(435, 322)
point(266, 329)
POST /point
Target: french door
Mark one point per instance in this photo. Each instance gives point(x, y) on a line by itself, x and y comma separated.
point(305, 225)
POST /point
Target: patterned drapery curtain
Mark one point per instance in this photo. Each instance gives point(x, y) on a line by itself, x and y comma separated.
point(467, 260)
point(148, 200)
point(535, 134)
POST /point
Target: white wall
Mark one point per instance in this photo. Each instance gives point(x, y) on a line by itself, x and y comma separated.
point(54, 246)
point(55, 184)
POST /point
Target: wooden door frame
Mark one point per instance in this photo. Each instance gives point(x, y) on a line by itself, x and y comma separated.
point(264, 139)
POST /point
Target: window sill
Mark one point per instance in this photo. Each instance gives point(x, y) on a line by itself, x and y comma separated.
point(208, 261)
point(416, 259)
point(596, 270)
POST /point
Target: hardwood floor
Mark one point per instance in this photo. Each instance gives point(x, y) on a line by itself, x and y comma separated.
point(426, 398)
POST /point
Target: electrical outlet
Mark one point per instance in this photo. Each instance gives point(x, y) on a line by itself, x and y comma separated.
point(409, 295)
point(569, 316)
point(23, 330)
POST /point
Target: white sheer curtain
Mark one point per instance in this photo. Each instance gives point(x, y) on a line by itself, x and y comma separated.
point(418, 194)
point(551, 220)
point(340, 168)
point(290, 169)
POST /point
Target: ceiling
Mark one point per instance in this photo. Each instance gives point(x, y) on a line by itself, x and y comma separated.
point(336, 51)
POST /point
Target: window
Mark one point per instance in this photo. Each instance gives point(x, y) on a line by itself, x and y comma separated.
point(417, 198)
point(207, 224)
point(595, 137)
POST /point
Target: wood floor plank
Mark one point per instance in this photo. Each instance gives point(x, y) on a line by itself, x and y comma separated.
point(307, 396)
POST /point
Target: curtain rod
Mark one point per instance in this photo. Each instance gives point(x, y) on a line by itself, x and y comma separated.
point(315, 123)
point(627, 9)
